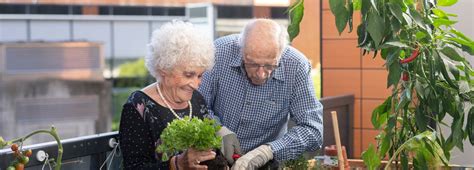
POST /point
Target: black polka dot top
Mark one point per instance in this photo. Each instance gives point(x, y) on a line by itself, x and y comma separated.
point(141, 124)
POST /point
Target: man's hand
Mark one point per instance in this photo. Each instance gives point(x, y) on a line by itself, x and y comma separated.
point(230, 144)
point(254, 159)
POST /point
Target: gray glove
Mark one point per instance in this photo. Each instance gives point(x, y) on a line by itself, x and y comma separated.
point(230, 144)
point(254, 159)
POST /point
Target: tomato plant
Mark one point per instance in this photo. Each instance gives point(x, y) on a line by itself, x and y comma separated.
point(22, 157)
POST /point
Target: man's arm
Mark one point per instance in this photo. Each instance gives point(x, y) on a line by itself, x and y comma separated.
point(307, 112)
point(208, 90)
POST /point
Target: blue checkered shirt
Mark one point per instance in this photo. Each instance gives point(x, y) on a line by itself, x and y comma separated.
point(259, 114)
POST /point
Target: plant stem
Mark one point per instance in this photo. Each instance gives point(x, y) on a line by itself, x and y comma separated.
point(51, 132)
point(396, 153)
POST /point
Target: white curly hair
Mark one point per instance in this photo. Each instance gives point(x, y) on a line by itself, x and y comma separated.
point(175, 43)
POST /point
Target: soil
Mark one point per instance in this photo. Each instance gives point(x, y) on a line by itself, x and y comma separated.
point(220, 163)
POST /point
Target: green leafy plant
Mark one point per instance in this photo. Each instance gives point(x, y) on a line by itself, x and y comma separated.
point(22, 158)
point(296, 12)
point(429, 77)
point(299, 163)
point(185, 133)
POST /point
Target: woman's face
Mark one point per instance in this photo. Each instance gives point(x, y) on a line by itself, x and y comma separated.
point(179, 83)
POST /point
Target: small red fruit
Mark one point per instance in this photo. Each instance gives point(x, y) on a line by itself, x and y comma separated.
point(28, 153)
point(405, 76)
point(412, 57)
point(235, 156)
point(14, 147)
point(19, 166)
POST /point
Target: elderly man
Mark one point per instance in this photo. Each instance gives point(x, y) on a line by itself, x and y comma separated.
point(257, 84)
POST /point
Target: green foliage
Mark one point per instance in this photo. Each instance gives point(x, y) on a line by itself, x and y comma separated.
point(298, 163)
point(296, 12)
point(370, 155)
point(133, 69)
point(316, 77)
point(417, 41)
point(119, 97)
point(185, 133)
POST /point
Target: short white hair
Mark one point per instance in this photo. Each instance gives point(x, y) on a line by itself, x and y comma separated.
point(279, 31)
point(178, 42)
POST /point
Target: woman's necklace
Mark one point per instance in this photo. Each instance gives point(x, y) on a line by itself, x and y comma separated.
point(169, 107)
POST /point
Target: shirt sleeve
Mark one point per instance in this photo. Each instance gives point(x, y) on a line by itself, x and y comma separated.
point(136, 141)
point(306, 111)
point(208, 90)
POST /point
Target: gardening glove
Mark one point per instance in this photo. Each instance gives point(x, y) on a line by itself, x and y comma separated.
point(230, 144)
point(254, 159)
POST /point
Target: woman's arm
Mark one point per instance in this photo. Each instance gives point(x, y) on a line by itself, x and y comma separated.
point(136, 141)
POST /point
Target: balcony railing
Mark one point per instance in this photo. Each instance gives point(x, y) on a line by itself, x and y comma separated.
point(86, 152)
point(91, 152)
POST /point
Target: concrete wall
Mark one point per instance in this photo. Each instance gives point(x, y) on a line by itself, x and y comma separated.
point(465, 10)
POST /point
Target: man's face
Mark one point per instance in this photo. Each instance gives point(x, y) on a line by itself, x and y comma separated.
point(259, 67)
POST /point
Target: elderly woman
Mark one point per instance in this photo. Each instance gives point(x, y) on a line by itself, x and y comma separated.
point(178, 56)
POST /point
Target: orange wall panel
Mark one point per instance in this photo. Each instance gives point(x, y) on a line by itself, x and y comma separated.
point(357, 143)
point(340, 82)
point(368, 61)
point(341, 54)
point(368, 107)
point(374, 84)
point(368, 137)
point(357, 114)
point(326, 4)
point(308, 39)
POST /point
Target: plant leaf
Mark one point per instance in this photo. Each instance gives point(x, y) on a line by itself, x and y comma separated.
point(381, 113)
point(357, 4)
point(371, 160)
point(296, 13)
point(440, 13)
point(350, 13)
point(394, 44)
point(446, 2)
point(374, 5)
point(385, 145)
point(441, 21)
point(396, 11)
point(365, 6)
point(376, 27)
point(442, 67)
point(420, 35)
point(452, 54)
point(340, 13)
point(470, 125)
point(417, 17)
point(394, 73)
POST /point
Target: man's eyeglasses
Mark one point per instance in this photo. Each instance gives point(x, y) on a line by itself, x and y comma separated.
point(254, 66)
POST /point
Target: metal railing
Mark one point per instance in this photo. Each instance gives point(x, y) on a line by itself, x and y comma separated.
point(86, 152)
point(90, 152)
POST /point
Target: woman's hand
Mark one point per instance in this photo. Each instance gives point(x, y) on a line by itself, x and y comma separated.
point(192, 157)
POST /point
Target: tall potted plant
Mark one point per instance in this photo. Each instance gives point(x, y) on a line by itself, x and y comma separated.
point(428, 74)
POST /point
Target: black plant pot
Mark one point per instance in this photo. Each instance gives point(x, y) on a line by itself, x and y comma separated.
point(220, 163)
